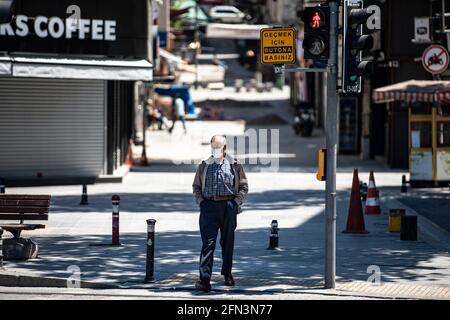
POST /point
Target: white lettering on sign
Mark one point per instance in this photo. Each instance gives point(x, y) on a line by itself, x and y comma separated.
point(83, 28)
point(110, 30)
point(70, 29)
point(22, 27)
point(41, 33)
point(55, 27)
point(6, 29)
point(97, 29)
point(353, 89)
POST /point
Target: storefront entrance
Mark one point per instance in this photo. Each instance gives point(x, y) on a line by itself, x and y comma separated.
point(429, 143)
point(428, 105)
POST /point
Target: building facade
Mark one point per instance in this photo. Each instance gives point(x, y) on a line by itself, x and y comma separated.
point(67, 88)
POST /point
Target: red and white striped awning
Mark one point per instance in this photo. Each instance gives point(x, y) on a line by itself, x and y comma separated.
point(414, 91)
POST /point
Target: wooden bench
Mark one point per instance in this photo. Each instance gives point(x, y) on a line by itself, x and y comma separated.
point(21, 208)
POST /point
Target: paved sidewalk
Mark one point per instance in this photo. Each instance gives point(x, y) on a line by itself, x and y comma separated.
point(76, 235)
point(295, 199)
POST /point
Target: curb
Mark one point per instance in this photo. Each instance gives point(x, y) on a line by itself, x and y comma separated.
point(12, 279)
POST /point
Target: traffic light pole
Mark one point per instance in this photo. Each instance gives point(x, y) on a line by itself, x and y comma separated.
point(331, 143)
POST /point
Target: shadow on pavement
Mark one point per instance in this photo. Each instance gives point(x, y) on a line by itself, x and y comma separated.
point(182, 202)
point(299, 261)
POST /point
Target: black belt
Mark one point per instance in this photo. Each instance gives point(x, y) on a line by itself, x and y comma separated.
point(220, 198)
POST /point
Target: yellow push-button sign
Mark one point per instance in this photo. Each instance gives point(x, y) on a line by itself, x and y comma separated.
point(322, 167)
point(278, 45)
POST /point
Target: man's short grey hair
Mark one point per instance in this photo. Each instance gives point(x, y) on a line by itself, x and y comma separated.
point(218, 141)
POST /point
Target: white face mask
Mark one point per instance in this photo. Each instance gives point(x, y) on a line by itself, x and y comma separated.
point(217, 153)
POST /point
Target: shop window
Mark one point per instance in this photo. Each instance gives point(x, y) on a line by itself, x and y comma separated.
point(443, 132)
point(421, 135)
point(420, 108)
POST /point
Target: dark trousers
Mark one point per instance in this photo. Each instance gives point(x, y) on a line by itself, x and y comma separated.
point(215, 216)
point(175, 119)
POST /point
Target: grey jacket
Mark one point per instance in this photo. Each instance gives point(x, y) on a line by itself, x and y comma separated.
point(240, 180)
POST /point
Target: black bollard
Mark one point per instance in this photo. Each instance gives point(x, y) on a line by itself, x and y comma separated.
point(404, 188)
point(1, 248)
point(408, 228)
point(115, 220)
point(150, 269)
point(363, 191)
point(274, 237)
point(84, 196)
point(2, 186)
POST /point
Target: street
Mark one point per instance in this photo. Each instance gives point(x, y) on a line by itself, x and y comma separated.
point(79, 235)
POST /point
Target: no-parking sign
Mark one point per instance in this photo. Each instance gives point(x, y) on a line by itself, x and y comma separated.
point(435, 59)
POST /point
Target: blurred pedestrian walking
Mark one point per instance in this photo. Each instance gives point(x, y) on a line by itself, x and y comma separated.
point(178, 112)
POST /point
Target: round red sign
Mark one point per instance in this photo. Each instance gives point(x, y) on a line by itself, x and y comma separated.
point(435, 59)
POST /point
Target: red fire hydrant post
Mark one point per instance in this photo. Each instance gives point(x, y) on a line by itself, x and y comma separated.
point(115, 220)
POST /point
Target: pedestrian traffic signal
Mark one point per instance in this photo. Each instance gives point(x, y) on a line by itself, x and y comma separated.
point(355, 42)
point(316, 43)
point(5, 10)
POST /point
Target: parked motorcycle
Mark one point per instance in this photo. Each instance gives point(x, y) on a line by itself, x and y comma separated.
point(304, 119)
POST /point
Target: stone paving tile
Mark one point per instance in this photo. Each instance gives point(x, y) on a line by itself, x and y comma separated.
point(403, 291)
point(391, 290)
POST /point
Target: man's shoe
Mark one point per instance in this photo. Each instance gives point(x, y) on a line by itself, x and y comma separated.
point(229, 281)
point(203, 285)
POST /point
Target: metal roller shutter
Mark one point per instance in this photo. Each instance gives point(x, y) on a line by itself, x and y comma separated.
point(51, 126)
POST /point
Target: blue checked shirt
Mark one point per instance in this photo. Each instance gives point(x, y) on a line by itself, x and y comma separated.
point(219, 180)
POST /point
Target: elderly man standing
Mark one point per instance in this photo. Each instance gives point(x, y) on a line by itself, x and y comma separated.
point(220, 188)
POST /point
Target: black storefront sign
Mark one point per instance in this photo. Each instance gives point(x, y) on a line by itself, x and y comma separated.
point(108, 28)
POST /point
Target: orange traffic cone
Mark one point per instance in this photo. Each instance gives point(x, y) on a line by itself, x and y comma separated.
point(373, 200)
point(129, 162)
point(355, 220)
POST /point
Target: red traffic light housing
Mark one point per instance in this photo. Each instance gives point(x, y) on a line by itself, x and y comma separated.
point(317, 33)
